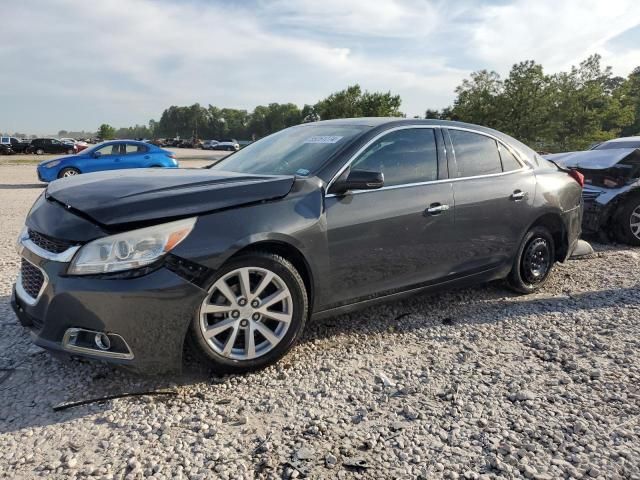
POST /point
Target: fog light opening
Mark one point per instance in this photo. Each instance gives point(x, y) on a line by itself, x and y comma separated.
point(102, 341)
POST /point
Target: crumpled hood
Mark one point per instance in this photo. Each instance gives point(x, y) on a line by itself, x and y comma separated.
point(144, 195)
point(593, 159)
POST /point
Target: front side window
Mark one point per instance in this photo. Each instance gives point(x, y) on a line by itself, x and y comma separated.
point(475, 154)
point(113, 149)
point(403, 156)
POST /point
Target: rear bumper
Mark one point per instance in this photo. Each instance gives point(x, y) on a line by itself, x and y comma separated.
point(150, 313)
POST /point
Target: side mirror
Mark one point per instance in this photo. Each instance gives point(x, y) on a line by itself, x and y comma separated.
point(96, 154)
point(358, 180)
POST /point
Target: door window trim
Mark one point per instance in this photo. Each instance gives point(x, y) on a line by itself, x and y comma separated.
point(443, 128)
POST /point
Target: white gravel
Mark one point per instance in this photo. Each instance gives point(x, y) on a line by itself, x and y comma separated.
point(475, 383)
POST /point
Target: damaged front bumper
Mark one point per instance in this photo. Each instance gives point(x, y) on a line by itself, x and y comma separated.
point(138, 322)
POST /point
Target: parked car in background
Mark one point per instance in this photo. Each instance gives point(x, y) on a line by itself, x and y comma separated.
point(40, 146)
point(17, 145)
point(6, 149)
point(79, 144)
point(227, 144)
point(113, 155)
point(209, 144)
point(612, 187)
point(623, 142)
point(312, 221)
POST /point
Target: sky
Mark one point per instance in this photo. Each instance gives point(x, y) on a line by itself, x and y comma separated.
point(74, 64)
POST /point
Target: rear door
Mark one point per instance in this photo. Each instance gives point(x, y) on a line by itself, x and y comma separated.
point(399, 236)
point(494, 194)
point(135, 156)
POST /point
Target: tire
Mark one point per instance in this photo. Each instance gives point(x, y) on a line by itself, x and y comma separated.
point(39, 151)
point(225, 352)
point(628, 222)
point(68, 172)
point(534, 261)
point(70, 151)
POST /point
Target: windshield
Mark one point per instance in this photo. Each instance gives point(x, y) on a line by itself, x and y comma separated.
point(299, 150)
point(613, 145)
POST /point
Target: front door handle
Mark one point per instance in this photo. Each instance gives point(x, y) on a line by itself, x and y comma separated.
point(437, 208)
point(518, 195)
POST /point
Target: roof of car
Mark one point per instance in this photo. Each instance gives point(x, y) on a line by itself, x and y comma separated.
point(624, 139)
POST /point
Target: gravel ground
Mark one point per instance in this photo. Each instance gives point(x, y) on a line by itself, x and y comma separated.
point(475, 383)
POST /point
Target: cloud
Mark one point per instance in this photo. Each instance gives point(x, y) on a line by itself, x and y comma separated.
point(74, 64)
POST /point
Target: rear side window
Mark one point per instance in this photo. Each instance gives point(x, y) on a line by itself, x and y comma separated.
point(132, 148)
point(509, 162)
point(475, 154)
point(404, 156)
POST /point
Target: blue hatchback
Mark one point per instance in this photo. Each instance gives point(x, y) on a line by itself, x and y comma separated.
point(111, 155)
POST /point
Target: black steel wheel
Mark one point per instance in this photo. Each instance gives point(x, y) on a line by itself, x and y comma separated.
point(534, 261)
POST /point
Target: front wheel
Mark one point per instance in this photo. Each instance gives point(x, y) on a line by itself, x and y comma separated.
point(70, 151)
point(68, 172)
point(628, 222)
point(254, 312)
point(39, 151)
point(534, 261)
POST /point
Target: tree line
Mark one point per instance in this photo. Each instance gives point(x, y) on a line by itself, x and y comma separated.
point(552, 112)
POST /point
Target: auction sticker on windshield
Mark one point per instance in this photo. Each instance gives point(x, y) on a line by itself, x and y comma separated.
point(323, 139)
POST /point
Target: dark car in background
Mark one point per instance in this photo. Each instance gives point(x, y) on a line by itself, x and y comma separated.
point(612, 188)
point(6, 149)
point(40, 146)
point(17, 145)
point(312, 221)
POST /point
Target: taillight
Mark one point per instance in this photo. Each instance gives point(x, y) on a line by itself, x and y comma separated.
point(577, 176)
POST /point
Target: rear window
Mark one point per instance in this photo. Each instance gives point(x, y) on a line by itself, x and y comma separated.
point(475, 154)
point(509, 162)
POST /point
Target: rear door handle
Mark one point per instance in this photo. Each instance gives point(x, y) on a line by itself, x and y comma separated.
point(518, 195)
point(437, 208)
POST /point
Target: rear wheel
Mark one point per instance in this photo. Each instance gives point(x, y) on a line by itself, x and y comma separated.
point(254, 312)
point(628, 222)
point(534, 261)
point(70, 151)
point(39, 151)
point(68, 172)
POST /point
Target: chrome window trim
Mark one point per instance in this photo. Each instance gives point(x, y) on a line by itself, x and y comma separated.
point(24, 242)
point(22, 293)
point(524, 165)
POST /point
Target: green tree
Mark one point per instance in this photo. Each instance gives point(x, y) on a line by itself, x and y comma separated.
point(477, 99)
point(352, 102)
point(106, 132)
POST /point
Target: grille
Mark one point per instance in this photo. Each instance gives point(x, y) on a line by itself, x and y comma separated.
point(49, 244)
point(32, 278)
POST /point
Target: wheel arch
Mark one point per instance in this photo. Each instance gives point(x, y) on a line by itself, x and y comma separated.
point(289, 252)
point(553, 222)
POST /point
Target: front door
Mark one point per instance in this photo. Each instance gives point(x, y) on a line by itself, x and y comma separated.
point(107, 158)
point(380, 241)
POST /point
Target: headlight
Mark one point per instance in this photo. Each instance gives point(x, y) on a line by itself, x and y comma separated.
point(129, 250)
point(52, 164)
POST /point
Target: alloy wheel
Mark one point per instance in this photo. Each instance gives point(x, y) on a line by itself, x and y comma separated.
point(634, 222)
point(70, 173)
point(536, 260)
point(246, 314)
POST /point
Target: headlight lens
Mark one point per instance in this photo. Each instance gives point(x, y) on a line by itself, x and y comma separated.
point(52, 164)
point(129, 250)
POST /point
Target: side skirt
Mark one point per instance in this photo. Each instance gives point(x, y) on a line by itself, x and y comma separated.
point(460, 282)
